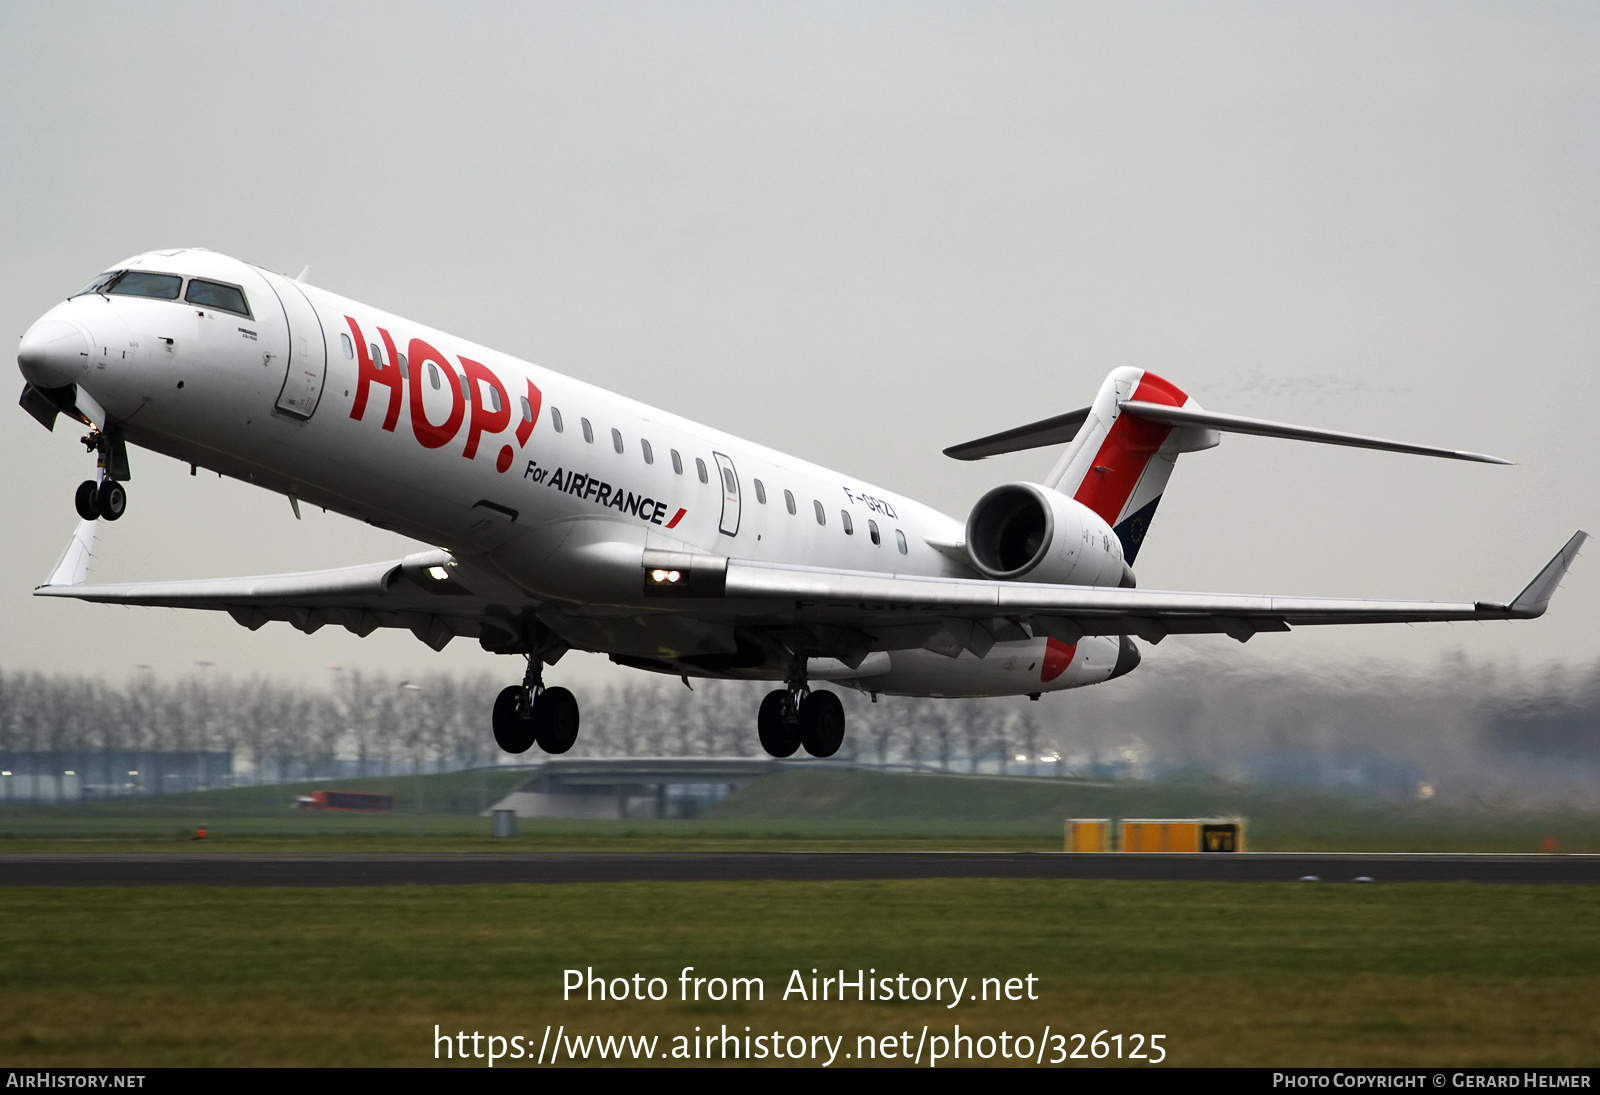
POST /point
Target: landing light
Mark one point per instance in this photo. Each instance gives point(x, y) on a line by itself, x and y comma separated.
point(665, 575)
point(439, 573)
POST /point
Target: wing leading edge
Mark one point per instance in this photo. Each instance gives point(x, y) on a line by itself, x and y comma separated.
point(420, 593)
point(1070, 612)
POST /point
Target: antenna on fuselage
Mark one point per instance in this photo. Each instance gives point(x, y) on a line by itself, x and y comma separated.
point(303, 274)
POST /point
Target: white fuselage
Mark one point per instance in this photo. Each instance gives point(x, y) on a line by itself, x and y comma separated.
point(307, 395)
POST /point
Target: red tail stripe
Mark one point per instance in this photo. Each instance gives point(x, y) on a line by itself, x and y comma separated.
point(1128, 447)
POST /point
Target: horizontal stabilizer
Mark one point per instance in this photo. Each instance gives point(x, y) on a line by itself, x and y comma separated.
point(1035, 435)
point(1233, 423)
point(1064, 427)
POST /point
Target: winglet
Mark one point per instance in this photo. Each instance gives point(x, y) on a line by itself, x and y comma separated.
point(73, 567)
point(1533, 600)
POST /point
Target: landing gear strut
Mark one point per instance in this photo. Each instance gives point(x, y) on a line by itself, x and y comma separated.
point(794, 716)
point(529, 712)
point(102, 496)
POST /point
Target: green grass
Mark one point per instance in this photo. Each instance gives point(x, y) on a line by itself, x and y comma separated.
point(793, 809)
point(1231, 974)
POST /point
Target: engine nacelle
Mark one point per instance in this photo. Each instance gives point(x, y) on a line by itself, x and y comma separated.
point(1024, 530)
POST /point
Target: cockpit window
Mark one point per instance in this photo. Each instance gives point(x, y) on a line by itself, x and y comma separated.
point(213, 294)
point(98, 285)
point(135, 283)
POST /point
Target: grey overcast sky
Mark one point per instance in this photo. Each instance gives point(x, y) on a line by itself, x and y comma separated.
point(860, 233)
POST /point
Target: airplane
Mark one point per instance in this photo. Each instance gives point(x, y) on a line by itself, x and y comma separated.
point(568, 517)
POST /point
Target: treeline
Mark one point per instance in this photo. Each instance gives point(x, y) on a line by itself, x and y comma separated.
point(1457, 730)
point(371, 724)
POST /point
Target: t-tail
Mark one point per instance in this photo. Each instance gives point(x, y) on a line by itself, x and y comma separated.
point(1119, 464)
point(1125, 445)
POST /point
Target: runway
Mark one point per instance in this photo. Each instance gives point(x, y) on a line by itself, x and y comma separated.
point(469, 868)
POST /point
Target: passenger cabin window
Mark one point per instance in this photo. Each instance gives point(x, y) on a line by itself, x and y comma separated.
point(900, 539)
point(588, 430)
point(788, 500)
point(401, 358)
point(644, 447)
point(433, 375)
point(466, 388)
point(214, 294)
point(677, 462)
point(349, 347)
point(527, 410)
point(494, 400)
point(700, 466)
point(555, 418)
point(377, 354)
point(137, 283)
point(822, 518)
point(616, 440)
point(844, 516)
point(761, 493)
point(872, 531)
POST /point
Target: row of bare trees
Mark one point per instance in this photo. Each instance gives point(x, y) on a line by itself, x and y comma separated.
point(1478, 727)
point(375, 724)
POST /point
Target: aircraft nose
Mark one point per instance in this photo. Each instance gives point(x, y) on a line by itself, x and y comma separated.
point(53, 353)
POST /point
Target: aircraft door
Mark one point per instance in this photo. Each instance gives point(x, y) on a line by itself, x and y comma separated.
point(730, 495)
point(308, 352)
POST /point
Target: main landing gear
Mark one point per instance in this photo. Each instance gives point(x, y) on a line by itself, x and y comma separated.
point(529, 712)
point(102, 496)
point(794, 716)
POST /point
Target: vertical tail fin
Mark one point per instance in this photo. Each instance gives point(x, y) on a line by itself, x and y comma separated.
point(1118, 465)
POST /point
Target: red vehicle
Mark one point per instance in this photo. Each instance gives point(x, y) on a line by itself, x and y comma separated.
point(346, 800)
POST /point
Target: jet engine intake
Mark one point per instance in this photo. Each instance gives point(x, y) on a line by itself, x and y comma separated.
point(1024, 530)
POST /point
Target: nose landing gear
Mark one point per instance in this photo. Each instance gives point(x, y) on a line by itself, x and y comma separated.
point(103, 496)
point(529, 713)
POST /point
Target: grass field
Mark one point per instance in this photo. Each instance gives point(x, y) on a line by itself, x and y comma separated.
point(1229, 974)
point(795, 810)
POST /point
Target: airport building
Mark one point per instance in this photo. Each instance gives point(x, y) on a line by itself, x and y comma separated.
point(59, 776)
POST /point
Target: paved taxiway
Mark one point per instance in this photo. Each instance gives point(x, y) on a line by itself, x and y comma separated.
point(398, 869)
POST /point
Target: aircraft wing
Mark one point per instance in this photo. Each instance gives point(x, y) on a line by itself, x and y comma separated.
point(422, 593)
point(427, 594)
point(979, 612)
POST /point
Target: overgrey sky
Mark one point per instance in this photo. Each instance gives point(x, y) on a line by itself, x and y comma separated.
point(860, 233)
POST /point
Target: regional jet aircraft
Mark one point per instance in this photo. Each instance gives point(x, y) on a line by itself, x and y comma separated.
point(565, 516)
